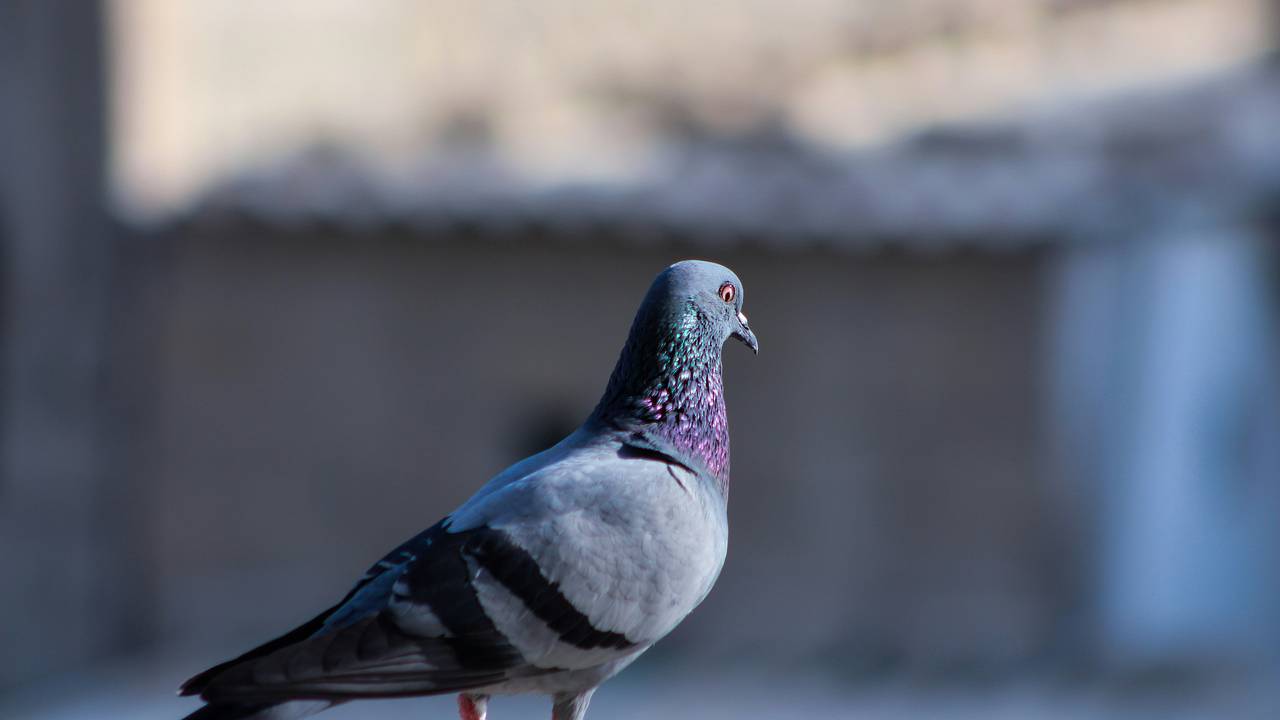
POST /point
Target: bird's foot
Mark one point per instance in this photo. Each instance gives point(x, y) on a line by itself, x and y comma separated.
point(473, 707)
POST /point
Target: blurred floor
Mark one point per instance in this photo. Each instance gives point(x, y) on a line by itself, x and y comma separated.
point(142, 689)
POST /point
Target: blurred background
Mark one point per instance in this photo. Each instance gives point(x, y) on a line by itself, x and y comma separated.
point(284, 281)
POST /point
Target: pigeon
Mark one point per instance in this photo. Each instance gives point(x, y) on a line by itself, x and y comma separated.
point(562, 569)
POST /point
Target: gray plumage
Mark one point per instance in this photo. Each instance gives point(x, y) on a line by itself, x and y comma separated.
point(561, 570)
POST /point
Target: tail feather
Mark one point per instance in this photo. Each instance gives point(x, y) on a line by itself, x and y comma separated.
point(291, 710)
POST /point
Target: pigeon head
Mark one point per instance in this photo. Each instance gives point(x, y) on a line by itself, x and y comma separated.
point(667, 389)
point(701, 292)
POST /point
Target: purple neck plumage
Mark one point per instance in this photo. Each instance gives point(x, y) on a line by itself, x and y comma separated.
point(667, 388)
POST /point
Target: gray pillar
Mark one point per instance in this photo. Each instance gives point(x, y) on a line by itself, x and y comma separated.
point(53, 276)
point(1166, 434)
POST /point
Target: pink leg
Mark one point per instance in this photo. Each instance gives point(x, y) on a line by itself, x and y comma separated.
point(473, 707)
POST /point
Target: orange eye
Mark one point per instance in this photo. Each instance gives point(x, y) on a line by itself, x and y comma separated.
point(728, 292)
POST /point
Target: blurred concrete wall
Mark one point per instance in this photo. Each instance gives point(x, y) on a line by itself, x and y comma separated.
point(313, 399)
point(282, 405)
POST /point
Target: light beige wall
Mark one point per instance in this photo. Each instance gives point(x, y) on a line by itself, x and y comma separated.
point(206, 88)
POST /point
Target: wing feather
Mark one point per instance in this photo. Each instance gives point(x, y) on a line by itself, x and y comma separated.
point(375, 643)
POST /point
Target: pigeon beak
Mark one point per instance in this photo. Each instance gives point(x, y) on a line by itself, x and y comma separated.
point(744, 334)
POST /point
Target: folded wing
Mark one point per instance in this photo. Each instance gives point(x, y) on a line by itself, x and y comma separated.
point(413, 625)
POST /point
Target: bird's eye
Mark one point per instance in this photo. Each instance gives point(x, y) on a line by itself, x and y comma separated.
point(728, 292)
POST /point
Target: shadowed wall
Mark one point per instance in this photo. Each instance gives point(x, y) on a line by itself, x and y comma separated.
point(313, 399)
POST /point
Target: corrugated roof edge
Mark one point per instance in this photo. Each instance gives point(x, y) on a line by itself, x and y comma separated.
point(1096, 171)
